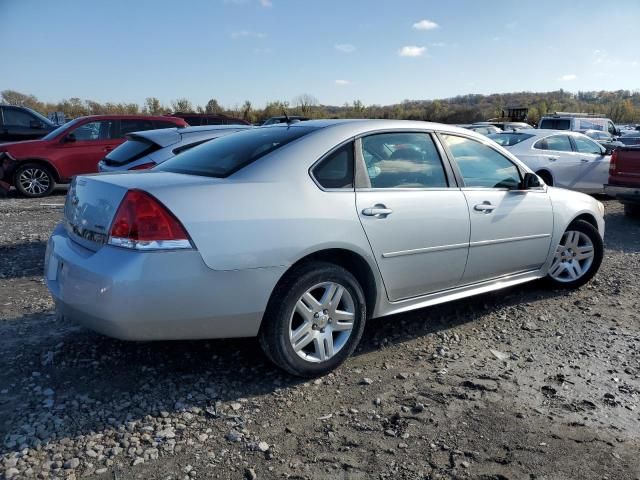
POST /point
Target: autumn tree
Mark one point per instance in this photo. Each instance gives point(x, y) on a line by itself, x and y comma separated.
point(182, 105)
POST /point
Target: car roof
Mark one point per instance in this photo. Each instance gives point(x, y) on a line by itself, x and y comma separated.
point(127, 117)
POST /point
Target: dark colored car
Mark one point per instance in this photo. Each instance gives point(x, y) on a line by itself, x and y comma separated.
point(200, 119)
point(624, 178)
point(284, 119)
point(35, 166)
point(22, 123)
point(630, 140)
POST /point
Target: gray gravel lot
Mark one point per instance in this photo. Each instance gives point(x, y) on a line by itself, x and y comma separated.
point(527, 383)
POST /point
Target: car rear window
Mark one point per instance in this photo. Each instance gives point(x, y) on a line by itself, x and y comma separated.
point(130, 150)
point(226, 155)
point(509, 139)
point(555, 124)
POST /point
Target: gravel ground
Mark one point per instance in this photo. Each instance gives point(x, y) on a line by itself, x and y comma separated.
point(523, 383)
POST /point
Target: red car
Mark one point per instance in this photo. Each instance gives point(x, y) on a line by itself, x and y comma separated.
point(34, 167)
point(624, 179)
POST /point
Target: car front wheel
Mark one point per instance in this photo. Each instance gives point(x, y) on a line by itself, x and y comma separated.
point(34, 180)
point(578, 256)
point(314, 320)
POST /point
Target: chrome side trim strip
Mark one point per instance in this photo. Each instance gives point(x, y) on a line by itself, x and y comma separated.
point(507, 240)
point(456, 246)
point(425, 250)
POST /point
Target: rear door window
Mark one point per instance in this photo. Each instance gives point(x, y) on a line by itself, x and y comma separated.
point(586, 145)
point(230, 153)
point(555, 124)
point(558, 143)
point(135, 125)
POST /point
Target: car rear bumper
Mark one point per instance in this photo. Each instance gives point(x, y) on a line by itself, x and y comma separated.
point(168, 295)
point(624, 194)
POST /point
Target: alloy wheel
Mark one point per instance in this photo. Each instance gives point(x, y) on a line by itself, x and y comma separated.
point(34, 181)
point(574, 256)
point(322, 322)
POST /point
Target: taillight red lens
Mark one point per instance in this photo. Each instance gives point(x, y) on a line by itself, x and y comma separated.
point(143, 166)
point(142, 218)
point(612, 162)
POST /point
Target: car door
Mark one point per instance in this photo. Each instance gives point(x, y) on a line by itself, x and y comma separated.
point(555, 154)
point(19, 125)
point(510, 228)
point(414, 215)
point(85, 145)
point(594, 165)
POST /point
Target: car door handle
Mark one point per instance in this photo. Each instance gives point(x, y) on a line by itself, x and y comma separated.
point(553, 159)
point(584, 160)
point(485, 207)
point(379, 211)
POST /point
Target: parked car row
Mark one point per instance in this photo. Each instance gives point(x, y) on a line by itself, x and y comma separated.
point(299, 233)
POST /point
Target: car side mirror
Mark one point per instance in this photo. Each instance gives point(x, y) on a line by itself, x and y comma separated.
point(530, 181)
point(70, 138)
point(607, 150)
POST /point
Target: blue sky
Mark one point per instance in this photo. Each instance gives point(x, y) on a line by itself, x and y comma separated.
point(260, 50)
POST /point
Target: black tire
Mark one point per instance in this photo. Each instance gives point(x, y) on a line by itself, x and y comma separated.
point(632, 210)
point(46, 180)
point(275, 328)
point(598, 248)
point(546, 177)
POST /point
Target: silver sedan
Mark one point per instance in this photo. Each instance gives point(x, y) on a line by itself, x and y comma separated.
point(298, 234)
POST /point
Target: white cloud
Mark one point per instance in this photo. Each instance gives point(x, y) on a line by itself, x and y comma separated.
point(345, 47)
point(343, 82)
point(425, 25)
point(411, 51)
point(568, 77)
point(266, 3)
point(248, 33)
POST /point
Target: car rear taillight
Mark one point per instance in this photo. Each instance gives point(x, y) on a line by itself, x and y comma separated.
point(143, 166)
point(143, 223)
point(612, 162)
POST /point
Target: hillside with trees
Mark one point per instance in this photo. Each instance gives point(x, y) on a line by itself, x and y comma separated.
point(622, 106)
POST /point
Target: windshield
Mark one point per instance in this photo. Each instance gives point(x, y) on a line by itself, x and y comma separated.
point(509, 139)
point(225, 155)
point(54, 133)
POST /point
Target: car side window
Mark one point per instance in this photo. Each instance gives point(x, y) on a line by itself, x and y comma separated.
point(162, 124)
point(99, 130)
point(403, 160)
point(17, 118)
point(558, 143)
point(129, 126)
point(586, 145)
point(336, 170)
point(480, 165)
point(611, 128)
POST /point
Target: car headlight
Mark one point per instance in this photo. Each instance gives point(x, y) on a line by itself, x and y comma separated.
point(601, 208)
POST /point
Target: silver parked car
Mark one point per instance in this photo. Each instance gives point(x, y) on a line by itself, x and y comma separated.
point(299, 233)
point(561, 158)
point(144, 150)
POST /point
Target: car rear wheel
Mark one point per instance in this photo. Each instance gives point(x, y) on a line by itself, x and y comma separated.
point(578, 256)
point(34, 180)
point(314, 320)
point(631, 210)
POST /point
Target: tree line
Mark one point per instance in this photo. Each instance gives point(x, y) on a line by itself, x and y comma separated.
point(622, 106)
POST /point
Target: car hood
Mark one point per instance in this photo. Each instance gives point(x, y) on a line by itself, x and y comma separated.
point(19, 147)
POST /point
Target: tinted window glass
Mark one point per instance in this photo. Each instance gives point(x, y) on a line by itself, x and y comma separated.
point(559, 143)
point(630, 140)
point(129, 126)
point(225, 155)
point(17, 118)
point(585, 145)
point(403, 160)
point(215, 121)
point(62, 128)
point(482, 166)
point(555, 124)
point(131, 150)
point(100, 130)
point(509, 139)
point(336, 171)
